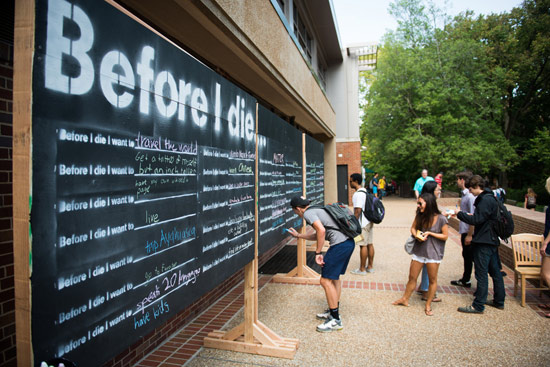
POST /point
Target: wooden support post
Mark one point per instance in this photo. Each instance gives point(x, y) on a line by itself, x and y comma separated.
point(252, 336)
point(22, 127)
point(301, 274)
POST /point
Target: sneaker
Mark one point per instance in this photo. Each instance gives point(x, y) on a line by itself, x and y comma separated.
point(330, 325)
point(493, 304)
point(461, 283)
point(371, 270)
point(468, 309)
point(358, 272)
point(324, 315)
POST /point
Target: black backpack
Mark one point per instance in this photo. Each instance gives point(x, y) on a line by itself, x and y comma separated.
point(503, 225)
point(374, 209)
point(344, 218)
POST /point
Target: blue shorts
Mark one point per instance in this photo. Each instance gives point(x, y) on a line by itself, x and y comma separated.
point(374, 189)
point(337, 259)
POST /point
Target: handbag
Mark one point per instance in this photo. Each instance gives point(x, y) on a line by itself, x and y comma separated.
point(409, 244)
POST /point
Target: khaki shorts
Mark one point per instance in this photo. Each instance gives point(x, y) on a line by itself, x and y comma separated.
point(366, 232)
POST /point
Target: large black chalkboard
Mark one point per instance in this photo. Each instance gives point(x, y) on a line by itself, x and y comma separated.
point(315, 171)
point(143, 181)
point(280, 177)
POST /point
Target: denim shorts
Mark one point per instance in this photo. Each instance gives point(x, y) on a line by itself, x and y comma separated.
point(337, 259)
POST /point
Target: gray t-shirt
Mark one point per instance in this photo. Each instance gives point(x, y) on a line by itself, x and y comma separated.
point(432, 248)
point(332, 234)
point(467, 206)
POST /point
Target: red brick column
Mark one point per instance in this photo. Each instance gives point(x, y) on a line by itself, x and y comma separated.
point(349, 153)
point(7, 289)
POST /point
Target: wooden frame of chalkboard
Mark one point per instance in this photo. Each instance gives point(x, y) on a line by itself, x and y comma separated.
point(140, 193)
point(252, 336)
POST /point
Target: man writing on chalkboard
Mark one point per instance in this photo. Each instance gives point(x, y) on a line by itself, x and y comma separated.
point(334, 262)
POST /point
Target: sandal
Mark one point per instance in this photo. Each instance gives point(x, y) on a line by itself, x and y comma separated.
point(429, 312)
point(435, 299)
point(544, 306)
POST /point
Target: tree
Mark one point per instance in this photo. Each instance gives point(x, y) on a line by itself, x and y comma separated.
point(517, 45)
point(432, 103)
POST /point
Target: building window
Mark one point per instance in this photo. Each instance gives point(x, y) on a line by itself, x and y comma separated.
point(300, 31)
point(321, 70)
point(282, 5)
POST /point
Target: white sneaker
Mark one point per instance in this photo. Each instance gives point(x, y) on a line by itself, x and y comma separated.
point(358, 272)
point(324, 315)
point(330, 325)
point(371, 270)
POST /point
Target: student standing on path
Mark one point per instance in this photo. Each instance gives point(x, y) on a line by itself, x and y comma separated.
point(430, 187)
point(485, 247)
point(420, 182)
point(366, 246)
point(465, 230)
point(428, 248)
point(382, 187)
point(375, 184)
point(334, 263)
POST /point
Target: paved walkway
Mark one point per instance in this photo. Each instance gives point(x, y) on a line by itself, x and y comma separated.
point(375, 332)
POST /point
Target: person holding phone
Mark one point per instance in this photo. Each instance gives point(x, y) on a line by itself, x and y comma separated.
point(430, 229)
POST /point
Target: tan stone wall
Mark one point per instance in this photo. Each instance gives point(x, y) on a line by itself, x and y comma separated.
point(259, 21)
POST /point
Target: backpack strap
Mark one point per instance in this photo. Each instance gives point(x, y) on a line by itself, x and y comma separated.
point(364, 191)
point(317, 206)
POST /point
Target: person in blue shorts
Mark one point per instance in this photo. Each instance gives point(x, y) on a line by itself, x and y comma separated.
point(334, 262)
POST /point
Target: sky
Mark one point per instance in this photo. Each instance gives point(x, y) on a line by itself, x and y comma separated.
point(366, 21)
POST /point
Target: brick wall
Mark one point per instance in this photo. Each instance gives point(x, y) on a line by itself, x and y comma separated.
point(144, 346)
point(7, 290)
point(351, 156)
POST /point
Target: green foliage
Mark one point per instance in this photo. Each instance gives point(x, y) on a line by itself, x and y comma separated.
point(472, 93)
point(538, 150)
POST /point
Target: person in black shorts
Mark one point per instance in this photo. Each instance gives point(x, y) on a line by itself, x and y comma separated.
point(334, 263)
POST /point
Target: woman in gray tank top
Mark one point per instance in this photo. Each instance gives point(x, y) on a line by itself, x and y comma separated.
point(431, 231)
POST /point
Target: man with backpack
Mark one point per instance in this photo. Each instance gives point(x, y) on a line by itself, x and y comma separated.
point(333, 263)
point(366, 246)
point(485, 242)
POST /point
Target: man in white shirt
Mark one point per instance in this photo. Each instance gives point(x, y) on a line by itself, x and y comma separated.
point(366, 246)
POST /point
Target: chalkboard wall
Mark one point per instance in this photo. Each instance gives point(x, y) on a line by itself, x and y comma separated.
point(280, 177)
point(142, 186)
point(315, 171)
